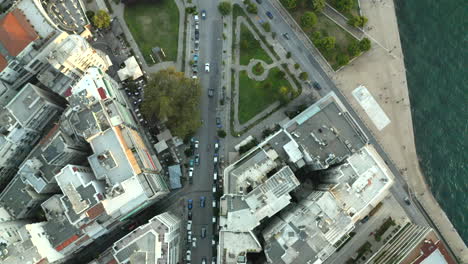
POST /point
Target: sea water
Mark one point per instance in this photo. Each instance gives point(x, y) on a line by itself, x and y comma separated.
point(434, 39)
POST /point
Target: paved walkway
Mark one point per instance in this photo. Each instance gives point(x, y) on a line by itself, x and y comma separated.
point(118, 13)
point(342, 21)
point(263, 75)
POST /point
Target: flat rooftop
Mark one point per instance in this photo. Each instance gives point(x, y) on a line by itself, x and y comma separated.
point(307, 231)
point(26, 103)
point(362, 179)
point(326, 133)
point(16, 196)
point(68, 15)
point(110, 160)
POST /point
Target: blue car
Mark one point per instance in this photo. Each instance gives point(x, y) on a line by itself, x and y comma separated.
point(202, 201)
point(269, 14)
point(190, 204)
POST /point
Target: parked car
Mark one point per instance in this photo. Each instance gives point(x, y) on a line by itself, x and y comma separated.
point(197, 45)
point(213, 220)
point(195, 57)
point(218, 122)
point(207, 67)
point(190, 204)
point(202, 202)
point(195, 144)
point(203, 260)
point(189, 255)
point(214, 203)
point(189, 215)
point(195, 17)
point(197, 35)
point(213, 260)
point(197, 159)
point(269, 14)
point(216, 146)
point(211, 92)
point(215, 176)
point(189, 225)
point(197, 27)
point(286, 36)
point(203, 14)
point(189, 236)
point(191, 162)
point(215, 159)
point(214, 188)
point(213, 242)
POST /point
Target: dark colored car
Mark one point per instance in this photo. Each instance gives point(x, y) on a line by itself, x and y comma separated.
point(189, 215)
point(210, 92)
point(203, 232)
point(218, 122)
point(269, 14)
point(286, 36)
point(203, 14)
point(190, 204)
point(317, 86)
point(202, 201)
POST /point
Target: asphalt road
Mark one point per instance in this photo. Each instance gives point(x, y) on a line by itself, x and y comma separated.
point(308, 63)
point(210, 52)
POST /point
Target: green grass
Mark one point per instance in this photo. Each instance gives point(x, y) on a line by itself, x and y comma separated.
point(154, 25)
point(254, 97)
point(328, 28)
point(250, 48)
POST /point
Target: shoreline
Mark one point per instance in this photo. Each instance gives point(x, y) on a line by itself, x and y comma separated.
point(382, 71)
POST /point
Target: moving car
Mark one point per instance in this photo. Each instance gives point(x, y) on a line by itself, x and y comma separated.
point(190, 204)
point(202, 201)
point(286, 36)
point(269, 14)
point(207, 67)
point(210, 92)
point(203, 232)
point(316, 85)
point(203, 14)
point(218, 122)
point(195, 17)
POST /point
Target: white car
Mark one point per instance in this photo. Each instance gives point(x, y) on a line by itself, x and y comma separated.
point(207, 67)
point(189, 254)
point(215, 176)
point(214, 188)
point(214, 220)
point(197, 27)
point(194, 242)
point(195, 17)
point(196, 144)
point(214, 204)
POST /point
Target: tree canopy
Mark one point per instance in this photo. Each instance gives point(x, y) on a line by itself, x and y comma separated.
point(308, 20)
point(172, 96)
point(358, 21)
point(365, 44)
point(318, 5)
point(101, 19)
point(224, 8)
point(344, 5)
point(289, 4)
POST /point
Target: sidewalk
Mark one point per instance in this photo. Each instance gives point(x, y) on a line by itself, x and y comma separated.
point(382, 71)
point(342, 21)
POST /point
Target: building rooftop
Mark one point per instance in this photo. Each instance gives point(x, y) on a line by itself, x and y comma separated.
point(16, 33)
point(267, 198)
point(325, 134)
point(148, 241)
point(132, 70)
point(68, 15)
point(312, 228)
point(16, 196)
point(362, 179)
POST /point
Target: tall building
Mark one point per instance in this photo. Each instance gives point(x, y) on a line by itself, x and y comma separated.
point(23, 120)
point(159, 241)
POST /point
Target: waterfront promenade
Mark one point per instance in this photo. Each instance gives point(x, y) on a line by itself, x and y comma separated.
point(382, 71)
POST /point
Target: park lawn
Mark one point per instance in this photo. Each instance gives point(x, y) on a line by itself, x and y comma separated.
point(254, 97)
point(154, 24)
point(250, 48)
point(328, 28)
point(353, 12)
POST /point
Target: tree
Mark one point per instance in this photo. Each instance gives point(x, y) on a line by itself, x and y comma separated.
point(327, 43)
point(353, 48)
point(284, 94)
point(252, 8)
point(308, 20)
point(364, 44)
point(342, 59)
point(288, 55)
point(318, 5)
point(344, 5)
point(101, 19)
point(316, 36)
point(90, 15)
point(266, 26)
point(281, 74)
point(289, 4)
point(169, 95)
point(221, 133)
point(303, 76)
point(357, 21)
point(224, 8)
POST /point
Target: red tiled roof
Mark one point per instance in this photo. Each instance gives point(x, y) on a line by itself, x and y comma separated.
point(15, 32)
point(3, 63)
point(113, 261)
point(66, 243)
point(95, 211)
point(83, 239)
